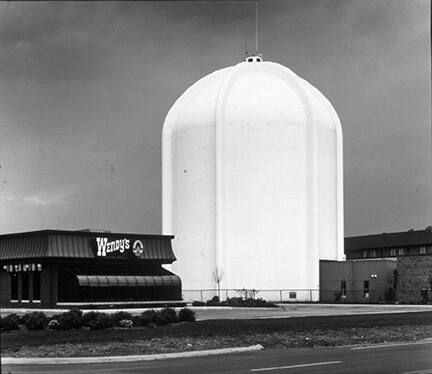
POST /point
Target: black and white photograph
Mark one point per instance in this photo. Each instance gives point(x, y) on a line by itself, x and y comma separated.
point(232, 186)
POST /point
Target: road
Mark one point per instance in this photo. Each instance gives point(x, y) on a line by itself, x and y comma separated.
point(412, 358)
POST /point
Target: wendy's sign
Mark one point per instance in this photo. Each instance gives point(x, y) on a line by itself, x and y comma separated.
point(118, 246)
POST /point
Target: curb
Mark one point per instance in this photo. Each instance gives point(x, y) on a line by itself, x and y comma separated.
point(103, 359)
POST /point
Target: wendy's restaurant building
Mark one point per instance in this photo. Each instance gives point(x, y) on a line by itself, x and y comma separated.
point(54, 268)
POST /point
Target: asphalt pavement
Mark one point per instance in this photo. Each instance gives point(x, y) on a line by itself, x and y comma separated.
point(305, 310)
point(399, 358)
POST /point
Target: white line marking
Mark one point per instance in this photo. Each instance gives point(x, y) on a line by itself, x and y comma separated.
point(389, 345)
point(297, 366)
point(425, 371)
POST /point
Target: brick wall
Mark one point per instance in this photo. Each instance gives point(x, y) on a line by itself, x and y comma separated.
point(413, 273)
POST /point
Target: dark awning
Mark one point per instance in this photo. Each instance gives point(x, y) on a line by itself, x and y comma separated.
point(128, 280)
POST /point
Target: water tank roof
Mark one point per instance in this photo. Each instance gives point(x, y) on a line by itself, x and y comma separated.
point(252, 90)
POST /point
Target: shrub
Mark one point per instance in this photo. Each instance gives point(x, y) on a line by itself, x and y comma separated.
point(234, 301)
point(102, 321)
point(54, 324)
point(88, 317)
point(119, 316)
point(152, 316)
point(125, 323)
point(143, 320)
point(22, 319)
point(198, 303)
point(249, 302)
point(70, 320)
point(186, 315)
point(169, 315)
point(159, 319)
point(36, 321)
point(214, 301)
point(10, 322)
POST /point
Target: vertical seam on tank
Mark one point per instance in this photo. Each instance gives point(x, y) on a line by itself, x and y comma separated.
point(312, 240)
point(166, 135)
point(339, 177)
point(315, 184)
point(339, 186)
point(170, 135)
point(219, 166)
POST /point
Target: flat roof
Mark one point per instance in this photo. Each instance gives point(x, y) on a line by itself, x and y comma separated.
point(81, 232)
point(388, 240)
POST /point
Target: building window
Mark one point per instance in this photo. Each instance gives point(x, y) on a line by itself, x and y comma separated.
point(366, 289)
point(393, 252)
point(14, 286)
point(25, 286)
point(36, 286)
point(400, 251)
point(293, 295)
point(422, 250)
point(373, 253)
point(343, 288)
point(364, 254)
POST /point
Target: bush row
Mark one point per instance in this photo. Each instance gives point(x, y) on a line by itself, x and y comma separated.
point(235, 302)
point(75, 319)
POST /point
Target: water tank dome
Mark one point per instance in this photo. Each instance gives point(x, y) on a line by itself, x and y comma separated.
point(252, 180)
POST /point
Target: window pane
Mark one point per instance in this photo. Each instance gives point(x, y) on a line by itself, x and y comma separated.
point(343, 288)
point(14, 286)
point(36, 285)
point(25, 285)
point(366, 288)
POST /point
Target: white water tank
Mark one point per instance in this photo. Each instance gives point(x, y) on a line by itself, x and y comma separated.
point(252, 181)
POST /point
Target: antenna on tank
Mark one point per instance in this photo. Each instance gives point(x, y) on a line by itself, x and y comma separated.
point(256, 57)
point(256, 27)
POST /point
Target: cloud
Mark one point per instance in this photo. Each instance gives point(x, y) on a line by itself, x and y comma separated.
point(85, 87)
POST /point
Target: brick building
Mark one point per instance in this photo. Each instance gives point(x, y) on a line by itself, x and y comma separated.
point(390, 245)
point(414, 278)
point(412, 251)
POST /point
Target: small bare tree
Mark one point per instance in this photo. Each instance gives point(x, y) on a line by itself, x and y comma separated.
point(217, 275)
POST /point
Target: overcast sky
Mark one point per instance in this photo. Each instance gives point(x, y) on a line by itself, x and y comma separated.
point(85, 87)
